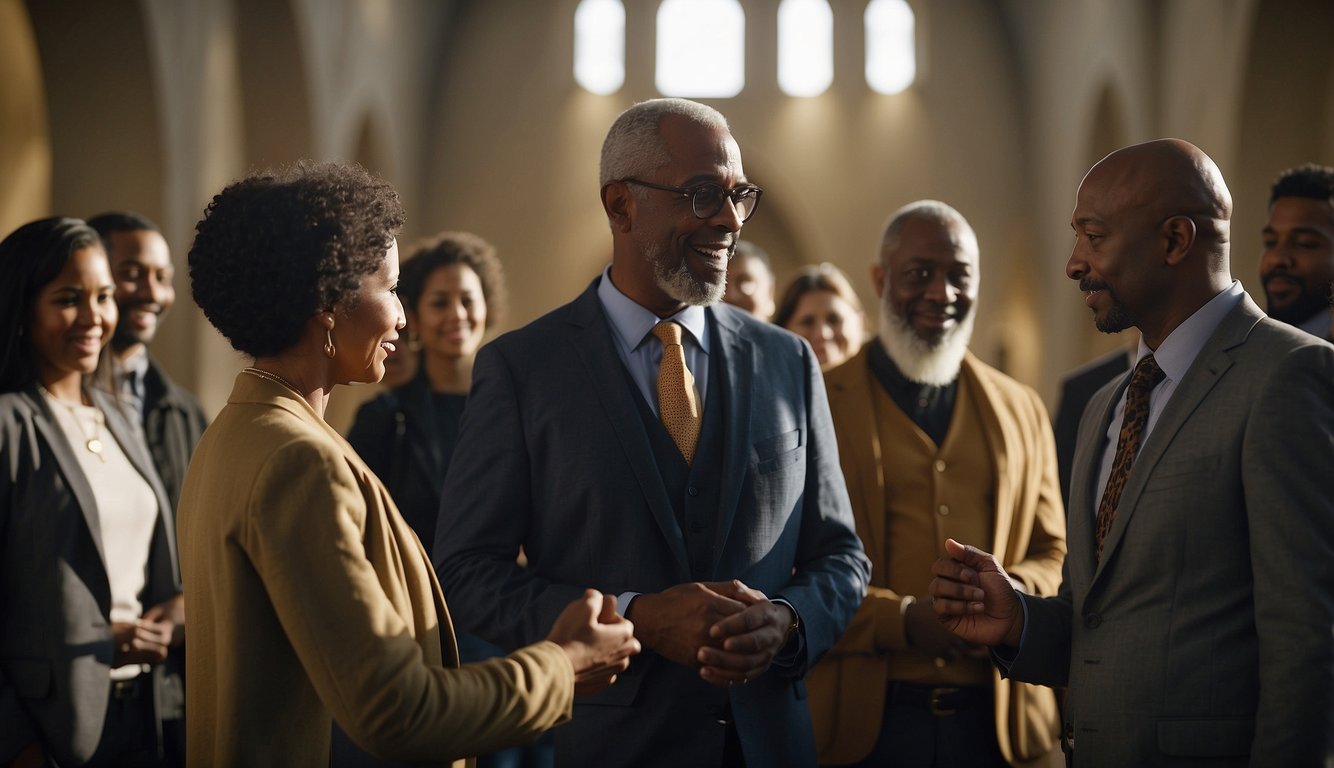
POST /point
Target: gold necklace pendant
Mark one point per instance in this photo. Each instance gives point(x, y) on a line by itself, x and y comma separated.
point(92, 442)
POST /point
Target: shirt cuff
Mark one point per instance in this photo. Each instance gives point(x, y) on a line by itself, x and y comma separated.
point(623, 601)
point(793, 653)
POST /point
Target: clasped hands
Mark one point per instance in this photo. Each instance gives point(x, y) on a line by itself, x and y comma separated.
point(147, 639)
point(727, 630)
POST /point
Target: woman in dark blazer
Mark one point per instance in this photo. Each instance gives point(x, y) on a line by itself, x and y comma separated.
point(90, 592)
point(452, 287)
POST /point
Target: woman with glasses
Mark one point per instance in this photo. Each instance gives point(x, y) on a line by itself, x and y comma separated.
point(90, 594)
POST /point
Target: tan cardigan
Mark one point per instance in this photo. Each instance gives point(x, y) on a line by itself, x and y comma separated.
point(847, 687)
point(310, 597)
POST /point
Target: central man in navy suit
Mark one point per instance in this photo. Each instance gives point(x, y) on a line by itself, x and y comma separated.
point(717, 513)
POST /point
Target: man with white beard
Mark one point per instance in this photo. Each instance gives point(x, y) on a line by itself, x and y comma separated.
point(933, 442)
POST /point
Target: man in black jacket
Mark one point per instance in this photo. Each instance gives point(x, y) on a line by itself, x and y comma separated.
point(171, 417)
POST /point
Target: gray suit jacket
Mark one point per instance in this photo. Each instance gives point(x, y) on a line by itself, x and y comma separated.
point(1206, 631)
point(554, 456)
point(56, 644)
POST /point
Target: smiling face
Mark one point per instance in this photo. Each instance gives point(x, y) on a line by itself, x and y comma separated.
point(750, 286)
point(141, 265)
point(833, 327)
point(73, 317)
point(367, 333)
point(927, 277)
point(1297, 267)
point(451, 313)
point(677, 259)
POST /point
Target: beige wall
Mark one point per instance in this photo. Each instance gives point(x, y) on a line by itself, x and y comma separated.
point(470, 109)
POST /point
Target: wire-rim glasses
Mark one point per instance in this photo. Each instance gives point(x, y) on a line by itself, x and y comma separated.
point(706, 199)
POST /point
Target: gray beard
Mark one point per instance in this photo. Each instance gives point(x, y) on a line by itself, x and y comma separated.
point(916, 359)
point(678, 282)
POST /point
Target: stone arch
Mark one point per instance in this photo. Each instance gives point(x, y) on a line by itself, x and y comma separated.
point(102, 106)
point(25, 145)
point(274, 92)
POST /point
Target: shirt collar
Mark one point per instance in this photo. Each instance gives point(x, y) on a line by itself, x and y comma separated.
point(1178, 351)
point(631, 323)
point(136, 365)
point(1317, 324)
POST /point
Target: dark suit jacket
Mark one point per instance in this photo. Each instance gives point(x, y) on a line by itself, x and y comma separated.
point(1206, 631)
point(1076, 390)
point(173, 422)
point(56, 645)
point(559, 462)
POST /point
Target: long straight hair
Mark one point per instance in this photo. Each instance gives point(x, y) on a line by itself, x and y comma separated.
point(30, 257)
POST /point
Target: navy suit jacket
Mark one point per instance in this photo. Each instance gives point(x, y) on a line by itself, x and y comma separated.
point(1205, 633)
point(554, 456)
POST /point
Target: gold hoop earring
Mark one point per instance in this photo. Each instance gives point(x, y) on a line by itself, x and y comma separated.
point(329, 349)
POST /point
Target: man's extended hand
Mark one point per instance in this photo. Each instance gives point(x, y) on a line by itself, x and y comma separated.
point(745, 643)
point(675, 623)
point(927, 634)
point(597, 640)
point(974, 598)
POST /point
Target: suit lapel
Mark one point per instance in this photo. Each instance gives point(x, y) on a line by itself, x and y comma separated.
point(1084, 477)
point(1209, 367)
point(68, 463)
point(998, 437)
point(852, 402)
point(591, 344)
point(734, 360)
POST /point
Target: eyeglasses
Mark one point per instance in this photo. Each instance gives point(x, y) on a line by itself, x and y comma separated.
point(707, 199)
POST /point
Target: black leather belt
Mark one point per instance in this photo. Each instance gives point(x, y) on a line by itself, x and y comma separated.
point(939, 701)
point(128, 689)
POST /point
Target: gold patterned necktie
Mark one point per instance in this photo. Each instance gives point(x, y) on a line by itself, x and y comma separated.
point(1134, 420)
point(678, 403)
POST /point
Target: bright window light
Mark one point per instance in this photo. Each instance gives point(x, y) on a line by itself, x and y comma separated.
point(805, 47)
point(701, 48)
point(599, 45)
point(891, 53)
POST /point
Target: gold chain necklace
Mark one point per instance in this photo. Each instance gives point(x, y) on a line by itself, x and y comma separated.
point(92, 442)
point(275, 378)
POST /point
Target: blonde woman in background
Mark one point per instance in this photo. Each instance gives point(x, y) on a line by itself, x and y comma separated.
point(820, 306)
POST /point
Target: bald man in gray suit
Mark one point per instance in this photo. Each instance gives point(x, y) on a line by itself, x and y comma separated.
point(1195, 623)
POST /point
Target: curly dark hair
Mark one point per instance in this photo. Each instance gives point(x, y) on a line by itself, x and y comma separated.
point(449, 248)
point(30, 257)
point(280, 245)
point(1311, 181)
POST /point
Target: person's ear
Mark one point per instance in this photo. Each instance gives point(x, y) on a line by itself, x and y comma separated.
point(878, 279)
point(1178, 238)
point(619, 204)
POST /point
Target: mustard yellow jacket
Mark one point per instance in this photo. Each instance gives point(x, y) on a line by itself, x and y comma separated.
point(847, 688)
point(310, 598)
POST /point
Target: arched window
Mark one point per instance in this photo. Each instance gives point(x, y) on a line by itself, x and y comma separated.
point(599, 45)
point(891, 53)
point(805, 47)
point(701, 48)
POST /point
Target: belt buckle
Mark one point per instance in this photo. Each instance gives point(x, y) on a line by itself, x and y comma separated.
point(124, 689)
point(934, 704)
